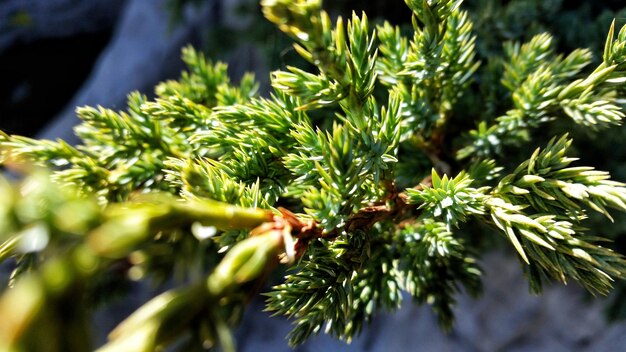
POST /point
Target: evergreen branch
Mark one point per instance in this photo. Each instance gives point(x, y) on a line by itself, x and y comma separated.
point(346, 64)
point(540, 91)
point(538, 208)
point(430, 72)
point(339, 144)
point(321, 292)
point(435, 262)
point(551, 242)
point(522, 60)
point(57, 153)
point(98, 237)
point(315, 90)
point(452, 199)
point(394, 49)
point(179, 113)
point(547, 183)
point(214, 180)
point(554, 248)
point(377, 286)
point(207, 83)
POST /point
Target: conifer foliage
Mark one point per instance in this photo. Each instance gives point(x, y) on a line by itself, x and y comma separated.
point(349, 174)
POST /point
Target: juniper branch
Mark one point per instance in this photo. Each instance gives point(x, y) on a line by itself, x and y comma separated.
point(337, 146)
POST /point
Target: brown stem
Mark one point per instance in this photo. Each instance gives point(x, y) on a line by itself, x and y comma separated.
point(394, 206)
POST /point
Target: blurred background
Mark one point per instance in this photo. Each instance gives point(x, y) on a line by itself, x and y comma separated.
point(56, 55)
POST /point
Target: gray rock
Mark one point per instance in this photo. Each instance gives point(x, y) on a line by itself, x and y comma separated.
point(144, 50)
point(613, 338)
point(29, 20)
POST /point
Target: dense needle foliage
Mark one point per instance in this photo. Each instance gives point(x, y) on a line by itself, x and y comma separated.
point(353, 174)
